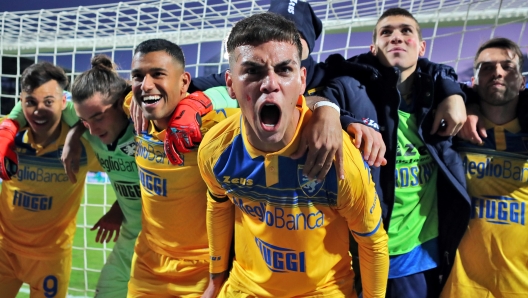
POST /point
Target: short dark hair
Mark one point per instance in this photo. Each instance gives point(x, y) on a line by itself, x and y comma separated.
point(101, 78)
point(263, 27)
point(158, 44)
point(40, 73)
point(501, 43)
point(396, 11)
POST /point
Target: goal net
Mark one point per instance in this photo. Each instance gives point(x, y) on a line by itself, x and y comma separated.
point(69, 37)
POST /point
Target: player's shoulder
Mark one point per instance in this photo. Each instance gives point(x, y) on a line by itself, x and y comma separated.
point(353, 161)
point(220, 136)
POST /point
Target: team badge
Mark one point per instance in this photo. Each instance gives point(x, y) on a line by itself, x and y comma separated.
point(129, 148)
point(308, 186)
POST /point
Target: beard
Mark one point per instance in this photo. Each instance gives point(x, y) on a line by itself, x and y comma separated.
point(496, 97)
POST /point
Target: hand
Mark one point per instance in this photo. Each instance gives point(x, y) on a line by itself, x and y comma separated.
point(72, 150)
point(136, 114)
point(453, 113)
point(370, 142)
point(8, 155)
point(108, 224)
point(474, 128)
point(183, 131)
point(323, 138)
point(215, 285)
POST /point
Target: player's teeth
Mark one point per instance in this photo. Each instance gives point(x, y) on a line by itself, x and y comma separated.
point(40, 121)
point(151, 98)
point(269, 125)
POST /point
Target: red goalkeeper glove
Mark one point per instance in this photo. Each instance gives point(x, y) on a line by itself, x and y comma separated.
point(8, 155)
point(183, 131)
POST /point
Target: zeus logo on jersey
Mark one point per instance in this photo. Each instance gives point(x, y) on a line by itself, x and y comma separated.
point(110, 164)
point(38, 175)
point(503, 169)
point(370, 122)
point(31, 201)
point(499, 210)
point(241, 181)
point(152, 183)
point(279, 219)
point(280, 259)
point(147, 151)
point(291, 6)
point(129, 190)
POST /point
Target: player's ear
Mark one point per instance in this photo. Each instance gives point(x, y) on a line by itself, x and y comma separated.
point(229, 84)
point(474, 82)
point(373, 49)
point(63, 101)
point(421, 52)
point(186, 81)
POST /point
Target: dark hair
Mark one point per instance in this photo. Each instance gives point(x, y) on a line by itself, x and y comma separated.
point(501, 43)
point(397, 11)
point(158, 44)
point(101, 78)
point(40, 73)
point(263, 27)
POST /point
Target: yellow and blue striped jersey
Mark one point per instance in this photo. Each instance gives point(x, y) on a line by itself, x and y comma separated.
point(38, 206)
point(291, 233)
point(492, 256)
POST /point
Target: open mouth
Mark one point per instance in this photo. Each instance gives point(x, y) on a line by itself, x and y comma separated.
point(270, 115)
point(151, 99)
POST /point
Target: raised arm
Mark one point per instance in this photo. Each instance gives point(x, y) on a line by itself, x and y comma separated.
point(358, 117)
point(322, 138)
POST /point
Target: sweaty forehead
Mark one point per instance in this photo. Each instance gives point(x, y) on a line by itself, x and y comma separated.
point(496, 55)
point(158, 59)
point(270, 52)
point(396, 22)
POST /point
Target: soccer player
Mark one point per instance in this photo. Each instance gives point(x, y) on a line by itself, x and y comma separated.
point(424, 201)
point(310, 27)
point(171, 255)
point(291, 233)
point(450, 112)
point(38, 206)
point(98, 96)
point(491, 259)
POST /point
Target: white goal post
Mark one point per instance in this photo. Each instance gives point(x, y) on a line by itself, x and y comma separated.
point(69, 37)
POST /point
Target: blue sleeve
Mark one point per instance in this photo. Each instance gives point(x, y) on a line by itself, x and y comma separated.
point(445, 79)
point(204, 83)
point(352, 99)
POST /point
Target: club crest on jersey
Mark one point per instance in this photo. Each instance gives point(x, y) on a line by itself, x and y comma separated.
point(129, 148)
point(308, 186)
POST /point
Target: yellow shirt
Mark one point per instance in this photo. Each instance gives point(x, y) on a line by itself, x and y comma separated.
point(291, 233)
point(38, 207)
point(173, 197)
point(492, 258)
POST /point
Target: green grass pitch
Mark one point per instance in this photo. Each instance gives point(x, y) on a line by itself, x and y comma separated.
point(92, 258)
